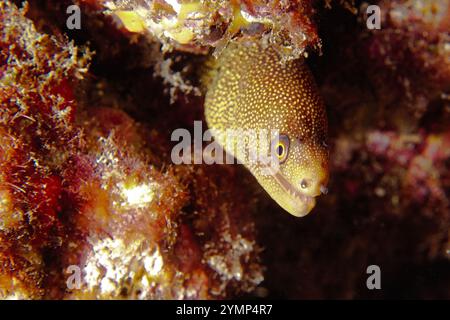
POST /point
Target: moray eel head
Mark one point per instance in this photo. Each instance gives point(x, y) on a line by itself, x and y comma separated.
point(252, 88)
point(301, 176)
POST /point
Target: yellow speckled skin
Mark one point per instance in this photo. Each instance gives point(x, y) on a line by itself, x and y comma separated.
point(252, 89)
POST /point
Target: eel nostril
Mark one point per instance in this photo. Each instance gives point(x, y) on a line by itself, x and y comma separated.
point(323, 189)
point(304, 184)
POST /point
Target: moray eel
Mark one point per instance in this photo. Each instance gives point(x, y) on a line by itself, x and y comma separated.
point(252, 88)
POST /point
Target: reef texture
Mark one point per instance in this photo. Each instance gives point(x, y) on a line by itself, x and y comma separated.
point(195, 26)
point(82, 193)
point(87, 184)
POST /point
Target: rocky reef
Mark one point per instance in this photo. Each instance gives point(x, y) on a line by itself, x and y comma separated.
point(88, 187)
point(92, 207)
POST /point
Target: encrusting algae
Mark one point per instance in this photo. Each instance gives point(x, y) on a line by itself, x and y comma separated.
point(88, 209)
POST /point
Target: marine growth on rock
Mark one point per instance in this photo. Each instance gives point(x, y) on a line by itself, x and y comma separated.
point(93, 205)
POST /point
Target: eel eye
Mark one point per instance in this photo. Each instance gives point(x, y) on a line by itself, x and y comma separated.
point(280, 147)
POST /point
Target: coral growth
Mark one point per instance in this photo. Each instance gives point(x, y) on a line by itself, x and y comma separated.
point(82, 192)
point(36, 127)
point(195, 26)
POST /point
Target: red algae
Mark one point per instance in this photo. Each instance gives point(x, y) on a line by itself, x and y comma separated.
point(36, 121)
point(80, 192)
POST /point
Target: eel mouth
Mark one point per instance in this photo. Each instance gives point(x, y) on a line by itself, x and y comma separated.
point(291, 190)
point(300, 203)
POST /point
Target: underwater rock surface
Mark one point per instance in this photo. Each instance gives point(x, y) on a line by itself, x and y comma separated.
point(83, 187)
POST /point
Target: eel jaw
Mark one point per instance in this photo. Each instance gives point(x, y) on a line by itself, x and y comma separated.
point(299, 204)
